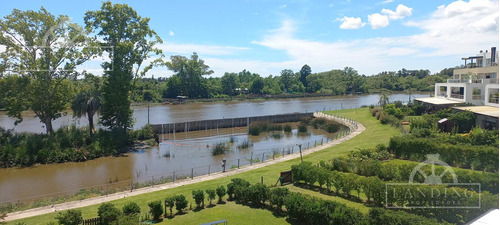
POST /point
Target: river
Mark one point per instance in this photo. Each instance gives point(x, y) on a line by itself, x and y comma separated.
point(185, 154)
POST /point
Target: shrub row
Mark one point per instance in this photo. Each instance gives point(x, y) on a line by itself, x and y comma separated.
point(68, 144)
point(107, 214)
point(326, 125)
point(375, 191)
point(477, 157)
point(396, 171)
point(258, 127)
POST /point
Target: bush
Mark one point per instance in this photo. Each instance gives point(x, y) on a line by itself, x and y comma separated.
point(258, 127)
point(221, 191)
point(278, 197)
point(180, 203)
point(170, 203)
point(108, 213)
point(131, 208)
point(211, 195)
point(155, 209)
point(258, 194)
point(287, 128)
point(220, 148)
point(302, 128)
point(70, 217)
point(199, 197)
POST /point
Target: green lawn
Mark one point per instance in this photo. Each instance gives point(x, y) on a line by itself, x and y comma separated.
point(374, 134)
point(231, 212)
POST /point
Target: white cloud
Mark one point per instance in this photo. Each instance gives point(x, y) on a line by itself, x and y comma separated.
point(283, 6)
point(171, 33)
point(351, 22)
point(387, 1)
point(446, 36)
point(378, 20)
point(402, 11)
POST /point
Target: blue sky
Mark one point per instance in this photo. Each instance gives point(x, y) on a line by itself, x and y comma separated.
point(267, 36)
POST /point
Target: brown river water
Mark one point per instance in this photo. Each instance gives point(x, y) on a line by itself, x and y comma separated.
point(176, 156)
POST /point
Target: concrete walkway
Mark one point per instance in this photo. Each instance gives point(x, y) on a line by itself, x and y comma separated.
point(356, 128)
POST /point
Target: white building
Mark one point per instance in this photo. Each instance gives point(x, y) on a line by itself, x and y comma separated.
point(475, 82)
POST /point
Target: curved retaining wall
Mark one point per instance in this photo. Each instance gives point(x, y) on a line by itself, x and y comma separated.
point(226, 123)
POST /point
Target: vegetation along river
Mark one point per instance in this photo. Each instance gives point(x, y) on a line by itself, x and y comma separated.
point(186, 153)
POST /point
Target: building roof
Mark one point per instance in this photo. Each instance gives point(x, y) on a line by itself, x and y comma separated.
point(483, 110)
point(438, 101)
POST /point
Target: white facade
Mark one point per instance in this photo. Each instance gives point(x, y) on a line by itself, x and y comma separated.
point(476, 82)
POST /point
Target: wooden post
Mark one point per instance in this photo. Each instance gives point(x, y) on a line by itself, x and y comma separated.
point(261, 179)
point(238, 163)
point(192, 173)
point(131, 185)
point(208, 169)
point(251, 160)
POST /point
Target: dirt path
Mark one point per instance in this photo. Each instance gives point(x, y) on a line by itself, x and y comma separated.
point(356, 128)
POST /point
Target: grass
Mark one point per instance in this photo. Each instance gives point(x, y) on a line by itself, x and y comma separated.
point(233, 213)
point(374, 134)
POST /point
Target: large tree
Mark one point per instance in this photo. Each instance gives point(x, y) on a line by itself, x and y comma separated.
point(39, 60)
point(190, 71)
point(129, 41)
point(304, 72)
point(229, 83)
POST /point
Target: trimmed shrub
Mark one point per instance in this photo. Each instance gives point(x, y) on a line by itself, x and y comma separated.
point(221, 191)
point(131, 208)
point(70, 217)
point(108, 213)
point(199, 197)
point(210, 195)
point(180, 203)
point(155, 209)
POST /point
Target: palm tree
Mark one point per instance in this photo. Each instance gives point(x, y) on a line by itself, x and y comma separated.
point(87, 102)
point(384, 99)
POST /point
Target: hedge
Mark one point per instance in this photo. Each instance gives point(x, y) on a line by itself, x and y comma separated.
point(477, 157)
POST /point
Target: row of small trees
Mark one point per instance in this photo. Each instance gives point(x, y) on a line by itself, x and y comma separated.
point(306, 209)
point(350, 185)
point(477, 157)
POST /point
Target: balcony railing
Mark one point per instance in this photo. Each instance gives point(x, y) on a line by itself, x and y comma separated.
point(473, 81)
point(457, 96)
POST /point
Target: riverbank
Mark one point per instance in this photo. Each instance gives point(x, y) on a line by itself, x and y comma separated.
point(356, 127)
point(374, 134)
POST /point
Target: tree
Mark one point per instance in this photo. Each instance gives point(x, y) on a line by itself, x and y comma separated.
point(89, 102)
point(229, 83)
point(383, 100)
point(70, 217)
point(257, 85)
point(221, 191)
point(278, 197)
point(304, 72)
point(211, 195)
point(199, 197)
point(170, 203)
point(130, 42)
point(41, 52)
point(287, 79)
point(131, 208)
point(108, 213)
point(155, 209)
point(180, 203)
point(190, 72)
point(174, 87)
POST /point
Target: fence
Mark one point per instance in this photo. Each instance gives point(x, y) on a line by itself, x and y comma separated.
point(225, 123)
point(177, 175)
point(91, 221)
